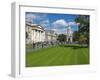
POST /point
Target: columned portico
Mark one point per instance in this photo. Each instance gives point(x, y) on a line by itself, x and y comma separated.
point(35, 32)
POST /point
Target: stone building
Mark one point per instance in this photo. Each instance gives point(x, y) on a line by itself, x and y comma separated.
point(69, 36)
point(34, 33)
point(50, 36)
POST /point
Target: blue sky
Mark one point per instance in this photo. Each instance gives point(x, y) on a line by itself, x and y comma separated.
point(53, 21)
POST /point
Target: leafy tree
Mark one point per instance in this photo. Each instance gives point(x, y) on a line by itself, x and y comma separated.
point(76, 36)
point(82, 39)
point(61, 38)
point(84, 26)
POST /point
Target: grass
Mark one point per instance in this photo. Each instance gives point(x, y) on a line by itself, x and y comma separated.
point(58, 55)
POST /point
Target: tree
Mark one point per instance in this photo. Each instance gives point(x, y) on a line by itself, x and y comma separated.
point(61, 38)
point(84, 26)
point(82, 39)
point(76, 36)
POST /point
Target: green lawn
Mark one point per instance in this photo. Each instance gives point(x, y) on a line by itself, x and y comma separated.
point(58, 55)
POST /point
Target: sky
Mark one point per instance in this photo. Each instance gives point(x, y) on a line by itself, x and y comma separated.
point(53, 21)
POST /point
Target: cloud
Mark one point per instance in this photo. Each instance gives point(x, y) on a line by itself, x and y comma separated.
point(60, 26)
point(45, 23)
point(56, 30)
point(38, 18)
point(33, 17)
point(30, 15)
point(42, 19)
point(72, 23)
point(60, 31)
point(59, 23)
point(62, 22)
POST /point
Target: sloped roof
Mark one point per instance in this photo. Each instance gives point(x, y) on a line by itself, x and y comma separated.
point(35, 26)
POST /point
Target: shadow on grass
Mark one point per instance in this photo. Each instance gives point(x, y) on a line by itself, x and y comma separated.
point(74, 46)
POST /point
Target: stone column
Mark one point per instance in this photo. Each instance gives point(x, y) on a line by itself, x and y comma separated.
point(33, 35)
point(40, 36)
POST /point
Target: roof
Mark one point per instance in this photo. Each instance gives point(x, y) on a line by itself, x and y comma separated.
point(35, 26)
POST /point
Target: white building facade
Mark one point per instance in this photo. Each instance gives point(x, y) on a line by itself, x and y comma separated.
point(34, 33)
point(69, 37)
point(50, 36)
